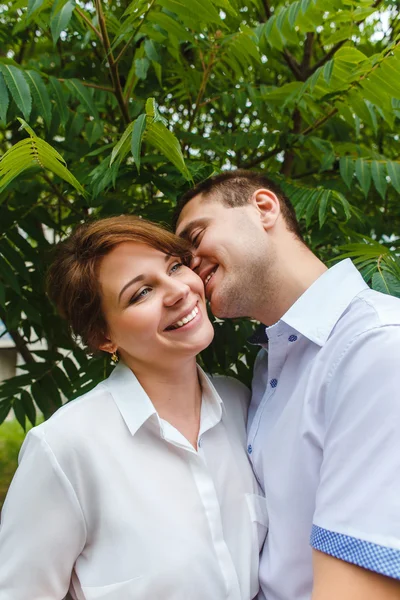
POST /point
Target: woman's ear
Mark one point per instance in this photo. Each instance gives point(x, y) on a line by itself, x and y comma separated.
point(268, 206)
point(108, 346)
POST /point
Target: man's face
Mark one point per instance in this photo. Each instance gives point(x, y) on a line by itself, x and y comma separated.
point(230, 251)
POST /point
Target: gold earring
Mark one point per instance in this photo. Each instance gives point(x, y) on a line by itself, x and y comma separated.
point(114, 357)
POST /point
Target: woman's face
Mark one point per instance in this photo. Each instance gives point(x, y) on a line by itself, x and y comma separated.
point(154, 307)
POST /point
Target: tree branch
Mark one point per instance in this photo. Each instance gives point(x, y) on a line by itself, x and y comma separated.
point(289, 154)
point(293, 65)
point(259, 159)
point(327, 57)
point(267, 9)
point(308, 46)
point(91, 85)
point(124, 49)
point(88, 22)
point(113, 66)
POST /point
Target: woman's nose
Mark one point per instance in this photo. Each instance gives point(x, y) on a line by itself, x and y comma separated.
point(175, 292)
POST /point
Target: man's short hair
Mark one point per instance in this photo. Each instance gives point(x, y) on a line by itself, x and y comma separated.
point(234, 188)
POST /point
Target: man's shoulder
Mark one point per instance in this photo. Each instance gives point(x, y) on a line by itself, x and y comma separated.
point(370, 310)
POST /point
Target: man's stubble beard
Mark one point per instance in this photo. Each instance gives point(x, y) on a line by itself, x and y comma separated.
point(245, 290)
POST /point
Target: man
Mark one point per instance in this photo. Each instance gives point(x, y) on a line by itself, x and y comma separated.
point(324, 422)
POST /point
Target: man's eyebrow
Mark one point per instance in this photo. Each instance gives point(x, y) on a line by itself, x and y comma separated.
point(186, 233)
point(138, 278)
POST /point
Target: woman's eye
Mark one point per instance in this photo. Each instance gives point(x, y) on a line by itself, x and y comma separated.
point(142, 294)
point(176, 267)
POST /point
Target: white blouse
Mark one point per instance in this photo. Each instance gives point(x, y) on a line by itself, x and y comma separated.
point(111, 502)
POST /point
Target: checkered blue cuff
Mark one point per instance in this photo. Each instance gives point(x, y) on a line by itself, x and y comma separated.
point(373, 557)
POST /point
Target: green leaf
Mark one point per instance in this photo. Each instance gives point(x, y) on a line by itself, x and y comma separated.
point(60, 100)
point(151, 51)
point(4, 101)
point(19, 89)
point(323, 204)
point(393, 169)
point(122, 144)
point(28, 406)
point(62, 381)
point(139, 127)
point(83, 95)
point(170, 26)
point(385, 282)
point(327, 71)
point(41, 398)
point(363, 173)
point(196, 10)
point(293, 13)
point(40, 95)
point(379, 177)
point(141, 67)
point(33, 152)
point(161, 138)
point(19, 412)
point(60, 20)
point(94, 131)
point(33, 5)
point(8, 276)
point(346, 167)
point(71, 369)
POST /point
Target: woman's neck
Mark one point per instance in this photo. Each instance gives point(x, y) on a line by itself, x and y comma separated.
point(175, 392)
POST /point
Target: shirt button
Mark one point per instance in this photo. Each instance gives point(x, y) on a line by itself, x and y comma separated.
point(249, 449)
point(273, 383)
point(292, 338)
point(199, 442)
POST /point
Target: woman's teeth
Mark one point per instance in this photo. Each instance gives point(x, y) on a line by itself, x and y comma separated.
point(186, 319)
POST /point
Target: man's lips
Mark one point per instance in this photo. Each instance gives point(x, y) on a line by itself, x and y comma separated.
point(208, 275)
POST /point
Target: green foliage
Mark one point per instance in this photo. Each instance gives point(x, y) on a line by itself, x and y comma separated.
point(11, 438)
point(142, 98)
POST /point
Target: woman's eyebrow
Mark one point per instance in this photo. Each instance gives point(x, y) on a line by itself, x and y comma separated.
point(138, 278)
point(134, 280)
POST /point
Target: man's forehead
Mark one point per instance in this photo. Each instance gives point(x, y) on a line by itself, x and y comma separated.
point(197, 210)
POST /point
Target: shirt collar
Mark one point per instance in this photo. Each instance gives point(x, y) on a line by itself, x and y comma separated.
point(136, 407)
point(317, 311)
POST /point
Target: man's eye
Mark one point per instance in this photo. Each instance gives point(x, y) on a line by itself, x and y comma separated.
point(195, 239)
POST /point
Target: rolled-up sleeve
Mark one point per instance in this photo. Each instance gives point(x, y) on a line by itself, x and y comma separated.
point(357, 515)
point(42, 527)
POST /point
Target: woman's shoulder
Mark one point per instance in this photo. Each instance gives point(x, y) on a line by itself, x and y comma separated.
point(77, 418)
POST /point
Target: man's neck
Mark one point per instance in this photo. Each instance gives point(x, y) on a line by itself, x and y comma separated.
point(297, 270)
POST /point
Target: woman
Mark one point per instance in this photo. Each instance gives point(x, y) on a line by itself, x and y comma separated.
point(140, 489)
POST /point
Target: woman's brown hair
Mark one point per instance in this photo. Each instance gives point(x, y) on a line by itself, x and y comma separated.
point(72, 280)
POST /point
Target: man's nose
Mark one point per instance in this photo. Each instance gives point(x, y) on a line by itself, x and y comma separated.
point(175, 292)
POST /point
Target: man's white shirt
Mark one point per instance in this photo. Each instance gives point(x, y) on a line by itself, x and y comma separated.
point(112, 493)
point(324, 433)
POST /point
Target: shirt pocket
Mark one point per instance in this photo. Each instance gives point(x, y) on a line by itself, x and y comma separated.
point(259, 516)
point(132, 589)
